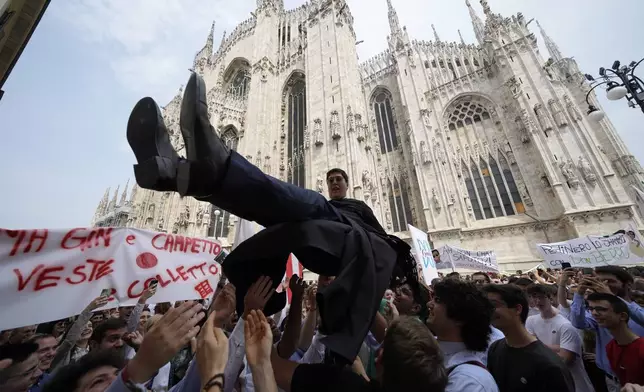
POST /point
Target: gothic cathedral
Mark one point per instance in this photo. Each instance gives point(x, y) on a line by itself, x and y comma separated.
point(486, 147)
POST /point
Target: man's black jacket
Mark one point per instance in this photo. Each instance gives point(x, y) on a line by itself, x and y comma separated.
point(355, 250)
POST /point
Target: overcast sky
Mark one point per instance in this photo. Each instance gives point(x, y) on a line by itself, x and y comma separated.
point(66, 104)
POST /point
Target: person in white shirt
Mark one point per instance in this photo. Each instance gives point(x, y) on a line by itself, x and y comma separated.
point(555, 331)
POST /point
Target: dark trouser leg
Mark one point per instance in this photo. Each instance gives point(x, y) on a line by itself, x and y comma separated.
point(247, 192)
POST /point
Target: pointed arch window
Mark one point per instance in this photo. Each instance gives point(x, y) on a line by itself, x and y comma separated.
point(240, 84)
point(296, 122)
point(491, 188)
point(399, 204)
point(385, 122)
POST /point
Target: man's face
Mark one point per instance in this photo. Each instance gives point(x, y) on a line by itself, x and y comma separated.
point(614, 284)
point(96, 318)
point(124, 312)
point(437, 320)
point(60, 327)
point(503, 316)
point(479, 279)
point(541, 301)
point(113, 339)
point(20, 377)
point(23, 334)
point(145, 316)
point(404, 301)
point(46, 352)
point(603, 313)
point(97, 380)
point(114, 313)
point(337, 186)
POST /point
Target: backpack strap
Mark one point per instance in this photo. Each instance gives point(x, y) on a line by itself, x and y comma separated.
point(475, 363)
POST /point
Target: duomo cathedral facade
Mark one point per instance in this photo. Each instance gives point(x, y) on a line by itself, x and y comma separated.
point(485, 146)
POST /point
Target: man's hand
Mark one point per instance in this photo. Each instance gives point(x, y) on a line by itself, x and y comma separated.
point(565, 277)
point(258, 294)
point(148, 293)
point(162, 342)
point(223, 305)
point(212, 350)
point(297, 287)
point(258, 337)
point(595, 285)
point(133, 339)
point(632, 388)
point(391, 309)
point(97, 302)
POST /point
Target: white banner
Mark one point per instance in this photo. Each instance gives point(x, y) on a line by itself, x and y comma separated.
point(423, 253)
point(477, 260)
point(594, 251)
point(47, 275)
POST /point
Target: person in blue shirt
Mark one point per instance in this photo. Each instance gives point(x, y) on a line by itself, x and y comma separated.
point(610, 280)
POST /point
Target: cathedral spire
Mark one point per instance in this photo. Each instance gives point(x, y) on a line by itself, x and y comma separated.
point(436, 37)
point(113, 202)
point(124, 194)
point(479, 26)
point(394, 22)
point(486, 8)
point(552, 47)
point(211, 39)
point(100, 210)
point(461, 37)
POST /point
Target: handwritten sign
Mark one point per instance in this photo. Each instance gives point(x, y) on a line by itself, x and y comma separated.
point(51, 274)
point(477, 260)
point(423, 254)
point(593, 251)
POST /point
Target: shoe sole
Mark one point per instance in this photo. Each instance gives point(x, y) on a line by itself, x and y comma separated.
point(141, 129)
point(194, 96)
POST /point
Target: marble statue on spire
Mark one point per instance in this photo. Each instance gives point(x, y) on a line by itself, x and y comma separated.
point(477, 22)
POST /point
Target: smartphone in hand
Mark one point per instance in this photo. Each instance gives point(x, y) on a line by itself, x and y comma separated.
point(565, 265)
point(587, 271)
point(106, 292)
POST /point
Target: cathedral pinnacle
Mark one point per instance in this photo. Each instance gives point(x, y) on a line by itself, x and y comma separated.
point(211, 37)
point(461, 36)
point(436, 37)
point(477, 23)
point(486, 8)
point(552, 47)
point(124, 194)
point(394, 23)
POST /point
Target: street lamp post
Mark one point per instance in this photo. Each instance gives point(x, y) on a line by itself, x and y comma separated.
point(217, 212)
point(620, 82)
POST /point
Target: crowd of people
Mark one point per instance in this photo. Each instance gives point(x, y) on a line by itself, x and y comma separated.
point(571, 330)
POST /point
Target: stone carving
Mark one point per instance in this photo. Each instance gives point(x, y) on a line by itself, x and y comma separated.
point(388, 219)
point(267, 164)
point(586, 170)
point(545, 182)
point(509, 153)
point(523, 126)
point(424, 153)
point(161, 221)
point(319, 184)
point(557, 113)
point(424, 113)
point(568, 172)
point(359, 127)
point(151, 211)
point(184, 217)
point(513, 86)
point(258, 159)
point(335, 125)
point(367, 181)
point(410, 56)
point(572, 109)
point(200, 213)
point(318, 134)
point(452, 198)
point(437, 204)
point(525, 195)
point(440, 155)
point(307, 138)
point(542, 117)
point(350, 120)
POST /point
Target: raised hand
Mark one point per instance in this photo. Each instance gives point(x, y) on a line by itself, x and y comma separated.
point(595, 285)
point(212, 350)
point(258, 294)
point(297, 286)
point(632, 388)
point(565, 277)
point(148, 293)
point(133, 339)
point(223, 305)
point(258, 338)
point(97, 302)
point(164, 340)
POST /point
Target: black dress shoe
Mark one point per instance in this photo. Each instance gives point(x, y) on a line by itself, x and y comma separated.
point(206, 153)
point(149, 140)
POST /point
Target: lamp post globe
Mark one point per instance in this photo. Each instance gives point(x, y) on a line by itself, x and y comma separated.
point(615, 93)
point(595, 114)
point(217, 212)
